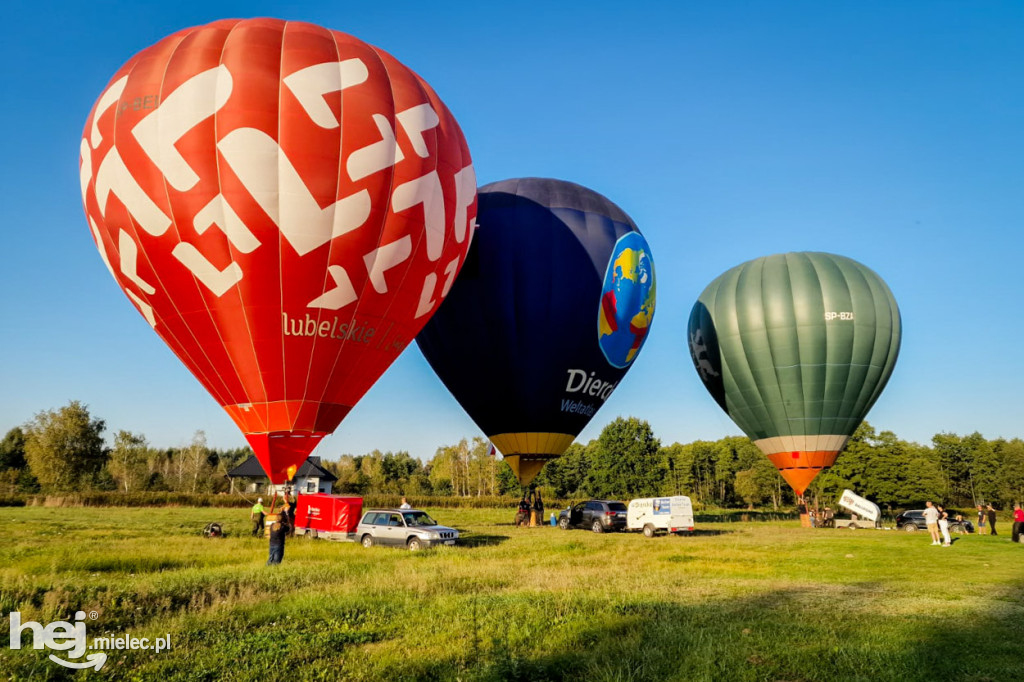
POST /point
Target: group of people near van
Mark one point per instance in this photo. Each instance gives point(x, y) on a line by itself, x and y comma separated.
point(937, 519)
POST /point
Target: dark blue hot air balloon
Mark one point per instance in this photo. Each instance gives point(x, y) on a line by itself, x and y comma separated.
point(551, 308)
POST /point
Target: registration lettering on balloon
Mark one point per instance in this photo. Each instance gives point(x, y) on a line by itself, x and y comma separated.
point(285, 205)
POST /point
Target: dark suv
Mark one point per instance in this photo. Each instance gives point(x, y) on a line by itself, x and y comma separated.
point(913, 520)
point(597, 515)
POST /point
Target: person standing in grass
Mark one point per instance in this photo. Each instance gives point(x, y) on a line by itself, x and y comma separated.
point(931, 519)
point(944, 526)
point(288, 514)
point(257, 516)
point(278, 533)
point(1018, 522)
point(523, 514)
point(405, 504)
point(991, 513)
point(981, 520)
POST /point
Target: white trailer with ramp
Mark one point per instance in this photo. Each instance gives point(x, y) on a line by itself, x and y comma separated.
point(864, 513)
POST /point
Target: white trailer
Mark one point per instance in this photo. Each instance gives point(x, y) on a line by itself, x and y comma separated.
point(653, 514)
point(865, 513)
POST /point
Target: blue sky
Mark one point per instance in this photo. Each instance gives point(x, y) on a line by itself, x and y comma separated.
point(887, 132)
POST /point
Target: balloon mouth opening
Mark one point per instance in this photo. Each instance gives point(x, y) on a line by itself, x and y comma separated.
point(281, 454)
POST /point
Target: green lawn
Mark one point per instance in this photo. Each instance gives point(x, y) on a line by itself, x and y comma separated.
point(738, 601)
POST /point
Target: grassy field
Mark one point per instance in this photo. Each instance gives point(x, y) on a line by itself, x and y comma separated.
point(737, 601)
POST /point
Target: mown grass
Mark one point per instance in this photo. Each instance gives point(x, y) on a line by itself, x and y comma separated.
point(736, 601)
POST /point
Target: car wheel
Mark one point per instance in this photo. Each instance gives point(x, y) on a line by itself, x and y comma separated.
point(312, 534)
point(910, 528)
point(851, 526)
point(367, 540)
point(648, 531)
point(415, 544)
point(597, 527)
point(563, 523)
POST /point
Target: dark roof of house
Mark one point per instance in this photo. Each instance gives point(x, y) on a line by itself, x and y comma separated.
point(251, 468)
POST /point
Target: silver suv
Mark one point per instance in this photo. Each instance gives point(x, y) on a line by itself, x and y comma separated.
point(410, 528)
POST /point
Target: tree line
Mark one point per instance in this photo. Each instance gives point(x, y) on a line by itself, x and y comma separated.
point(65, 450)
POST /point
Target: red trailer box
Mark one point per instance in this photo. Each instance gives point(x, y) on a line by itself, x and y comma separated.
point(333, 517)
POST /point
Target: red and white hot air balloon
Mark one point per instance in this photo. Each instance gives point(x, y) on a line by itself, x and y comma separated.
point(286, 206)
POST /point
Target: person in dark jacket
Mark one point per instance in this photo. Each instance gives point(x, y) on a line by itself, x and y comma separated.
point(278, 532)
point(523, 514)
point(990, 510)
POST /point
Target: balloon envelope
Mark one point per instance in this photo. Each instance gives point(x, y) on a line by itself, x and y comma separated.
point(796, 348)
point(286, 206)
point(550, 311)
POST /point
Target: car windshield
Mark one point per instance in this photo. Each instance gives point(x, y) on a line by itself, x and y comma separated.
point(414, 519)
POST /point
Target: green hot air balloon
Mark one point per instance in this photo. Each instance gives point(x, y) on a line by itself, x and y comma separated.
point(796, 348)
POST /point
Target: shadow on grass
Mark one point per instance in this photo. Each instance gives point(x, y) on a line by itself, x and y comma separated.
point(745, 516)
point(706, 532)
point(798, 635)
point(479, 540)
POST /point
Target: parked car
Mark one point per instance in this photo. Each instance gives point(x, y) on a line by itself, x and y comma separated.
point(411, 528)
point(596, 515)
point(913, 520)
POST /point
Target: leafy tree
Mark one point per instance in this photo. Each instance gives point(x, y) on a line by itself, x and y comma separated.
point(15, 474)
point(770, 481)
point(984, 469)
point(968, 467)
point(64, 448)
point(12, 450)
point(625, 460)
point(195, 460)
point(466, 469)
point(158, 469)
point(748, 488)
point(507, 483)
point(679, 470)
point(127, 463)
point(350, 479)
point(566, 475)
point(1011, 469)
point(757, 479)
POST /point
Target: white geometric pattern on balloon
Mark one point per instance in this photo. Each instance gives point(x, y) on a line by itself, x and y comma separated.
point(285, 198)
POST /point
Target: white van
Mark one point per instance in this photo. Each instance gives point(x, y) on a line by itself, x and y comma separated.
point(651, 514)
